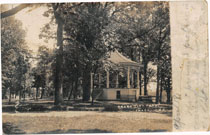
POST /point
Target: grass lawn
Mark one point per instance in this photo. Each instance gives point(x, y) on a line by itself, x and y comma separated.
point(85, 122)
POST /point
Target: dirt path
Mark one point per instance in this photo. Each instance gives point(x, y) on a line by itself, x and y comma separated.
point(86, 122)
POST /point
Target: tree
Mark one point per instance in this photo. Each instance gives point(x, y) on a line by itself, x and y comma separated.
point(166, 72)
point(59, 13)
point(43, 67)
point(160, 38)
point(133, 35)
point(83, 24)
point(14, 56)
point(143, 34)
point(86, 29)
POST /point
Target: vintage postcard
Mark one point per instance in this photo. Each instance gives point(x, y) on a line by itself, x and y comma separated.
point(104, 67)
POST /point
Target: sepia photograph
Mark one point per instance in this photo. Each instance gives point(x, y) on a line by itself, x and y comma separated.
point(89, 67)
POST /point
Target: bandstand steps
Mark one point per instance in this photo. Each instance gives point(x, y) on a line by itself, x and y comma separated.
point(145, 108)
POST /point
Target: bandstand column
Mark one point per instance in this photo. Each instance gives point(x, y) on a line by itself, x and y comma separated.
point(138, 86)
point(117, 81)
point(107, 79)
point(128, 78)
point(132, 79)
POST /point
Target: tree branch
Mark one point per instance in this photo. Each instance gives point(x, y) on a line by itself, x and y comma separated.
point(13, 11)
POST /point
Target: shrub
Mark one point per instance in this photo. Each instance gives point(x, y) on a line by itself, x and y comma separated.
point(8, 109)
point(22, 108)
point(111, 108)
point(59, 108)
point(38, 108)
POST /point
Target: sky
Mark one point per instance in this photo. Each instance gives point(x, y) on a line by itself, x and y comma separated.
point(32, 22)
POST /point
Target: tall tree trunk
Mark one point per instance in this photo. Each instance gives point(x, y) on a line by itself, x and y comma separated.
point(168, 91)
point(37, 92)
point(93, 90)
point(161, 88)
point(145, 77)
point(20, 89)
point(86, 86)
point(132, 54)
point(4, 93)
point(86, 90)
point(10, 95)
point(20, 94)
point(157, 88)
point(59, 60)
point(140, 88)
point(43, 91)
point(24, 91)
point(75, 88)
point(92, 94)
point(140, 82)
point(24, 95)
point(72, 88)
point(45, 78)
point(158, 67)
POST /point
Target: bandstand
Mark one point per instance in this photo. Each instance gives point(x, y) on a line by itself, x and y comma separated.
point(122, 66)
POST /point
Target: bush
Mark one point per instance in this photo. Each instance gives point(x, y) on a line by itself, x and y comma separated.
point(37, 108)
point(31, 108)
point(59, 108)
point(111, 108)
point(8, 109)
point(22, 108)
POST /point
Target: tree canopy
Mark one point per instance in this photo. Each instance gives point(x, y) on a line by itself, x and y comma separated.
point(85, 33)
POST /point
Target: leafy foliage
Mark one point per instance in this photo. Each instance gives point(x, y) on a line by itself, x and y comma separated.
point(15, 57)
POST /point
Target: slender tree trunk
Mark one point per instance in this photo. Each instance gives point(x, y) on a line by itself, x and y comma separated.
point(157, 88)
point(161, 89)
point(72, 87)
point(24, 91)
point(92, 93)
point(29, 93)
point(45, 78)
point(158, 67)
point(59, 61)
point(37, 92)
point(10, 95)
point(24, 95)
point(93, 90)
point(131, 54)
point(20, 89)
point(75, 88)
point(168, 91)
point(140, 88)
point(43, 91)
point(4, 93)
point(145, 77)
point(92, 102)
point(20, 94)
point(86, 86)
point(140, 82)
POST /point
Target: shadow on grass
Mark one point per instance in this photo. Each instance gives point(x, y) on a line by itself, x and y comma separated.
point(9, 128)
point(58, 131)
point(149, 130)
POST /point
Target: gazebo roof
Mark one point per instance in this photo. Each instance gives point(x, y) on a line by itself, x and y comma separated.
point(119, 59)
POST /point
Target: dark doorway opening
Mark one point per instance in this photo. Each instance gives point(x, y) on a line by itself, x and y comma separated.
point(118, 94)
